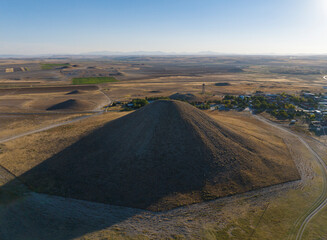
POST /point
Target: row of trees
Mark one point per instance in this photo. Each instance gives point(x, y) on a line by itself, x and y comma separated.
point(281, 107)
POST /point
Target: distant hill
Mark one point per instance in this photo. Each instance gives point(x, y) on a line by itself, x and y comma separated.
point(184, 97)
point(71, 104)
point(165, 155)
point(148, 53)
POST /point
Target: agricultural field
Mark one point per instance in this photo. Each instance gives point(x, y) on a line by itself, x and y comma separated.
point(50, 66)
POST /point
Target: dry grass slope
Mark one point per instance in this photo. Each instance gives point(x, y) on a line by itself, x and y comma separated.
point(165, 155)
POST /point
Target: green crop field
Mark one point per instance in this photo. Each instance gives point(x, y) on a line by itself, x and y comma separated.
point(93, 80)
point(49, 66)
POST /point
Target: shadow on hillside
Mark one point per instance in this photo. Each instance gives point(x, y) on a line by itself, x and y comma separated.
point(28, 215)
point(128, 162)
point(152, 159)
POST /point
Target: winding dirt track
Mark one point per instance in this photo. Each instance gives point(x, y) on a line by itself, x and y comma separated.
point(320, 203)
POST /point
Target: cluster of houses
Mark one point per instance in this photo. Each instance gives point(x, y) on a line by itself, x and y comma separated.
point(319, 124)
point(321, 100)
point(315, 106)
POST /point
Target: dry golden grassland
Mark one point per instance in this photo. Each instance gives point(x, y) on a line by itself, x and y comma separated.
point(263, 214)
point(316, 229)
point(239, 84)
point(39, 102)
point(11, 125)
point(186, 76)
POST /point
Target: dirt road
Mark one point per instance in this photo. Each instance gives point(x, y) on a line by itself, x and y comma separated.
point(48, 127)
point(320, 203)
point(106, 95)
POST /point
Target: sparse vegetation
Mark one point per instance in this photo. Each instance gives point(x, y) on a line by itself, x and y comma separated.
point(156, 98)
point(138, 103)
point(49, 66)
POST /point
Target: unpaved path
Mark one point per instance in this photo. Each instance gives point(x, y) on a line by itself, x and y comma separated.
point(5, 174)
point(47, 128)
point(320, 203)
point(106, 95)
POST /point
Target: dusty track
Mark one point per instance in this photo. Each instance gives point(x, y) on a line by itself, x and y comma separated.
point(47, 128)
point(320, 203)
point(106, 95)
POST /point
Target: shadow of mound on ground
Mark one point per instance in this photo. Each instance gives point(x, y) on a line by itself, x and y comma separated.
point(28, 215)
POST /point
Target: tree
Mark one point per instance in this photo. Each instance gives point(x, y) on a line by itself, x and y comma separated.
point(138, 103)
point(282, 114)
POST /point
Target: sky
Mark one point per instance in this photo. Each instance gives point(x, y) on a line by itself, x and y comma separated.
point(222, 26)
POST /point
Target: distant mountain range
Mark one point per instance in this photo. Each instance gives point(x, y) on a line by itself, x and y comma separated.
point(144, 53)
point(111, 53)
point(148, 53)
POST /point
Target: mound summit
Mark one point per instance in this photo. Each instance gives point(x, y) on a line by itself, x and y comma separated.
point(166, 154)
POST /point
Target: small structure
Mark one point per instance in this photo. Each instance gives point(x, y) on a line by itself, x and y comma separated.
point(322, 105)
point(203, 88)
point(308, 95)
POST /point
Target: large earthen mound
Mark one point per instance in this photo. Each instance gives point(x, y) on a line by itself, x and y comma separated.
point(165, 155)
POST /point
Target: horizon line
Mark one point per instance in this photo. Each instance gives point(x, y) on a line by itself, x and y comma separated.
point(153, 53)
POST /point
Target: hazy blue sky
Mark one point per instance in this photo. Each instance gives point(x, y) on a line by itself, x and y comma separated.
point(225, 26)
